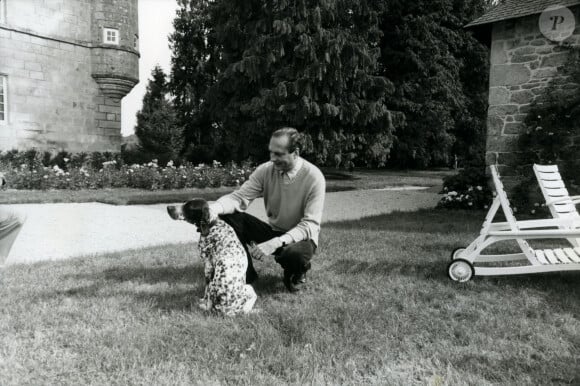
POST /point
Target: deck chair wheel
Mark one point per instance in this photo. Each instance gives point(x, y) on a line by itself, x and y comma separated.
point(460, 270)
point(456, 252)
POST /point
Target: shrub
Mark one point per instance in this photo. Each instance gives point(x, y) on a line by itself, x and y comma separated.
point(466, 190)
point(527, 198)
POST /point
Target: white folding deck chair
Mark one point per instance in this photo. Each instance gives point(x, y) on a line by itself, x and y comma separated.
point(462, 267)
point(558, 200)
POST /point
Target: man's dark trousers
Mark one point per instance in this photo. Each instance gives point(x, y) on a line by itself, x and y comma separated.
point(251, 229)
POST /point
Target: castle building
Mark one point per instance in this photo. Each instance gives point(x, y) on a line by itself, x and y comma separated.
point(65, 65)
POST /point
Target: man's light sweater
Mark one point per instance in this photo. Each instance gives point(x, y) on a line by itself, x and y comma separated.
point(294, 206)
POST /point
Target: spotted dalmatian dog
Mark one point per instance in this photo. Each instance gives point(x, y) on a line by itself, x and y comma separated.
point(224, 258)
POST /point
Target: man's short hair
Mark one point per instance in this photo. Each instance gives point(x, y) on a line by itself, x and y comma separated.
point(293, 137)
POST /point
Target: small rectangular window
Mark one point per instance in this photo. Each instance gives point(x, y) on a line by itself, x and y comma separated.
point(111, 36)
point(3, 100)
point(135, 43)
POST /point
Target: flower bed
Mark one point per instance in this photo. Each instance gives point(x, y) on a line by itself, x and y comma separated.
point(114, 174)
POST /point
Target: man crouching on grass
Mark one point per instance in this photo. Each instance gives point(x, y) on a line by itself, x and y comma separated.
point(293, 191)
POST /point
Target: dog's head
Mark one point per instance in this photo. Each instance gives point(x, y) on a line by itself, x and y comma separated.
point(195, 212)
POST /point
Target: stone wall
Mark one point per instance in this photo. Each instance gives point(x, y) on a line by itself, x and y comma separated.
point(53, 103)
point(523, 63)
point(116, 68)
point(54, 100)
point(119, 14)
point(65, 19)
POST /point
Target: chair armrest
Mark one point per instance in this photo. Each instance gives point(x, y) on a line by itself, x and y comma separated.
point(544, 223)
point(530, 224)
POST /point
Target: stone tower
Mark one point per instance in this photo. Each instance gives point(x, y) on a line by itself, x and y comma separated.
point(65, 65)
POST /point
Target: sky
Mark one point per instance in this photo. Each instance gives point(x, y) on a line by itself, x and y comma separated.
point(155, 25)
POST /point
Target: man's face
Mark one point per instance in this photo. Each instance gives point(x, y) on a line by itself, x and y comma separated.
point(279, 155)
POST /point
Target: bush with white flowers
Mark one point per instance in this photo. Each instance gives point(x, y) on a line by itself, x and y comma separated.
point(466, 190)
point(113, 173)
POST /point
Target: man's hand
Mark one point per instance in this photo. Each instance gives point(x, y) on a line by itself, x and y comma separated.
point(267, 248)
point(255, 252)
point(215, 209)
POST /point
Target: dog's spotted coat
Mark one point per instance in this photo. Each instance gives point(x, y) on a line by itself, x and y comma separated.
point(225, 263)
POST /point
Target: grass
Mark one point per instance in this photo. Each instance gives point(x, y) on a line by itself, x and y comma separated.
point(337, 180)
point(378, 309)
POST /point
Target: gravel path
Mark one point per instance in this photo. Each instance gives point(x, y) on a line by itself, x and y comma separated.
point(61, 231)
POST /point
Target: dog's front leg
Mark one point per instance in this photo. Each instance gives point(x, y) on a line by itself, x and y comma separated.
point(208, 273)
point(205, 302)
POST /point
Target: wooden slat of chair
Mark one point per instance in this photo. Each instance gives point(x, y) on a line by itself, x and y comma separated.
point(553, 187)
point(562, 256)
point(540, 256)
point(572, 255)
point(549, 176)
point(547, 168)
point(555, 184)
point(565, 208)
point(551, 257)
point(557, 192)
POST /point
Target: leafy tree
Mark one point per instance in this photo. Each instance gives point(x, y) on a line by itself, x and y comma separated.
point(242, 68)
point(440, 75)
point(157, 128)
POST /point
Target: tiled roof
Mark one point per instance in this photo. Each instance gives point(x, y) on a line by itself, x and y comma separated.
point(512, 9)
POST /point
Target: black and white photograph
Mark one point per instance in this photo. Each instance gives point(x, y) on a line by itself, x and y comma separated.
point(289, 192)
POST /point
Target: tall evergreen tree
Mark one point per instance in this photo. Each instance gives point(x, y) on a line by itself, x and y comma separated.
point(246, 67)
point(440, 75)
point(159, 134)
point(192, 73)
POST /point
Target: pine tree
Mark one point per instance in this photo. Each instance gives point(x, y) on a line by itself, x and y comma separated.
point(440, 76)
point(159, 134)
point(243, 68)
point(192, 73)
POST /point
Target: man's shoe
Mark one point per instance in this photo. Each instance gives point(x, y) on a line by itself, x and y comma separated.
point(299, 279)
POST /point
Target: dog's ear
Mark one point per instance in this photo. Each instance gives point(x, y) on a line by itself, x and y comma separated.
point(205, 214)
point(205, 222)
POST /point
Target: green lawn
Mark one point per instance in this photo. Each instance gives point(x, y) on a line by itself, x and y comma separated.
point(378, 309)
point(336, 180)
